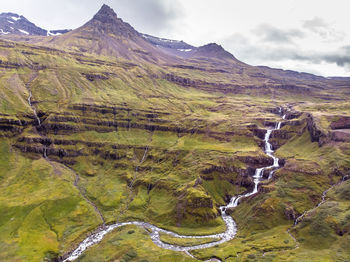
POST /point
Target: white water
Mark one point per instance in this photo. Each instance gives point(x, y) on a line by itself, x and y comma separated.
point(231, 227)
point(33, 108)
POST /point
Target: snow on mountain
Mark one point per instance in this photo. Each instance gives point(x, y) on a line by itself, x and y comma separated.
point(11, 23)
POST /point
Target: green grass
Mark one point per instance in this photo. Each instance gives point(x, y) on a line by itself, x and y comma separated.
point(42, 214)
point(41, 211)
point(131, 244)
point(185, 241)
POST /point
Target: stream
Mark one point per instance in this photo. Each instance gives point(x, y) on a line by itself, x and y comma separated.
point(231, 226)
point(33, 108)
point(323, 200)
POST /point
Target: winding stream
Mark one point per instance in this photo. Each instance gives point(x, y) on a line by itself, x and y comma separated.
point(323, 200)
point(231, 227)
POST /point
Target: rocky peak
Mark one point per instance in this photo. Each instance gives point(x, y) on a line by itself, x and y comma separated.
point(212, 47)
point(107, 21)
point(106, 15)
point(214, 50)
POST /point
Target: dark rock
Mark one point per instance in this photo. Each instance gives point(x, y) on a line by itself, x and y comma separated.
point(93, 77)
point(342, 123)
point(292, 114)
point(259, 132)
point(106, 21)
point(245, 181)
point(340, 135)
point(317, 135)
point(198, 182)
point(265, 188)
point(256, 161)
point(289, 213)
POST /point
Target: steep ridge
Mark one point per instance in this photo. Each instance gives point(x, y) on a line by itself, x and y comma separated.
point(11, 23)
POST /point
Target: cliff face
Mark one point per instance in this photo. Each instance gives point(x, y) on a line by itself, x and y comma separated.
point(316, 132)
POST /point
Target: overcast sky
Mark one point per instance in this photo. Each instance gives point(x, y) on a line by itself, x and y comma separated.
point(304, 35)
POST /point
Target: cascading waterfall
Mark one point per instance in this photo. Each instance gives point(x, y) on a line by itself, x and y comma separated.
point(231, 227)
point(33, 108)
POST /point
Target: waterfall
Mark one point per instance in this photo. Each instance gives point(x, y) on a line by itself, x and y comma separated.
point(231, 227)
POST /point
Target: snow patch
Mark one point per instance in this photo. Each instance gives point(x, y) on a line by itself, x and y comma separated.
point(10, 21)
point(15, 18)
point(24, 32)
point(185, 50)
point(145, 36)
point(3, 32)
point(52, 34)
point(160, 39)
point(168, 40)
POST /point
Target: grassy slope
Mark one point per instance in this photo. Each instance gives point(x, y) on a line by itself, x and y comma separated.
point(322, 235)
point(41, 211)
point(55, 216)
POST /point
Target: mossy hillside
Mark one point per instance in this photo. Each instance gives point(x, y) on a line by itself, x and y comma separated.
point(142, 193)
point(256, 246)
point(39, 207)
point(60, 81)
point(13, 93)
point(297, 187)
point(186, 241)
point(107, 186)
point(328, 157)
point(329, 222)
point(190, 150)
point(216, 130)
point(153, 181)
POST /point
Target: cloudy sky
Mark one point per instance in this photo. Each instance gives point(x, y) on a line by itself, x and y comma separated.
point(304, 35)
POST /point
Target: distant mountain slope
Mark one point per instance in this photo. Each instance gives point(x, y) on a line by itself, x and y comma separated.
point(182, 49)
point(167, 43)
point(11, 23)
point(107, 35)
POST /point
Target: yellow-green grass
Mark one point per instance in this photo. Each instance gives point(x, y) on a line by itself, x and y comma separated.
point(131, 243)
point(186, 241)
point(41, 212)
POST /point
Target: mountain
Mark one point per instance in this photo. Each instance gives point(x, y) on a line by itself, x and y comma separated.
point(168, 43)
point(108, 35)
point(104, 125)
point(11, 23)
point(184, 50)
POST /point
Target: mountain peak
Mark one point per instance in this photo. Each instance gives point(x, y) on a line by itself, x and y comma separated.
point(106, 14)
point(106, 21)
point(214, 50)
